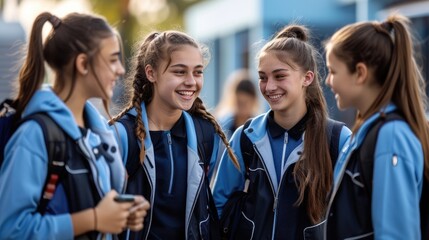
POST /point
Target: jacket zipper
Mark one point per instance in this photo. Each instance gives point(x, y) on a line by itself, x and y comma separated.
point(170, 148)
point(276, 197)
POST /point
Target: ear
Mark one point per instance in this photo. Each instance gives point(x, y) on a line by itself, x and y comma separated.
point(361, 73)
point(150, 73)
point(308, 78)
point(82, 63)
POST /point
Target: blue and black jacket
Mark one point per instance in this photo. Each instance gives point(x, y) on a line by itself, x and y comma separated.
point(268, 211)
point(173, 176)
point(93, 168)
point(391, 211)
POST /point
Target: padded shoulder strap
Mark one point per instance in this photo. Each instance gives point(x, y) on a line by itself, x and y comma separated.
point(133, 163)
point(205, 139)
point(334, 134)
point(55, 141)
point(246, 145)
point(366, 158)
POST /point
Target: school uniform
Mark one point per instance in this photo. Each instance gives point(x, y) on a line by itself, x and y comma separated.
point(268, 211)
point(92, 169)
point(392, 212)
point(173, 178)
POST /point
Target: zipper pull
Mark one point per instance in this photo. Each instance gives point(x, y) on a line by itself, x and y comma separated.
point(169, 138)
point(275, 203)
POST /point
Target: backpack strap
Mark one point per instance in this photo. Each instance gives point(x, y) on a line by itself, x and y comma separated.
point(246, 146)
point(55, 141)
point(334, 134)
point(205, 139)
point(366, 158)
point(133, 163)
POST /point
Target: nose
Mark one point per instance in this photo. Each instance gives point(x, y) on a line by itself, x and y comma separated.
point(270, 85)
point(328, 80)
point(190, 80)
point(121, 70)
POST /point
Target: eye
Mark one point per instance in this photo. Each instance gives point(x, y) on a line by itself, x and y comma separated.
point(280, 76)
point(180, 72)
point(262, 78)
point(198, 72)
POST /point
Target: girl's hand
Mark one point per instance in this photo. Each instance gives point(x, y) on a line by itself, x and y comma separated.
point(111, 216)
point(137, 213)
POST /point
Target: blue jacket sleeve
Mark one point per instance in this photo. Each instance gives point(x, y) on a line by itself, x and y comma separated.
point(228, 179)
point(22, 178)
point(397, 183)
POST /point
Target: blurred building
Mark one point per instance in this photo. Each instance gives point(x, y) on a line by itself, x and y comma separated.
point(235, 30)
point(12, 38)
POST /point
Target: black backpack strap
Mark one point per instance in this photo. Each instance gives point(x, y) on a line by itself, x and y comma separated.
point(205, 132)
point(366, 157)
point(334, 134)
point(55, 141)
point(246, 146)
point(133, 163)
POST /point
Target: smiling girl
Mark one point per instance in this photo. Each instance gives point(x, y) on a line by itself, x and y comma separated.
point(165, 118)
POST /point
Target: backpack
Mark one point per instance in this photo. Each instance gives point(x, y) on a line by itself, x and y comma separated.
point(55, 141)
point(366, 160)
point(205, 140)
point(232, 208)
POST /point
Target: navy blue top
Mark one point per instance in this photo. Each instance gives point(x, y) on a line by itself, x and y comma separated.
point(277, 136)
point(168, 221)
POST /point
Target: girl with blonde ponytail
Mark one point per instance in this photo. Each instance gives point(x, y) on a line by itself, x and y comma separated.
point(170, 142)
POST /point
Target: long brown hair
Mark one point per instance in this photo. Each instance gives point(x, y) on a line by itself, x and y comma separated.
point(313, 173)
point(157, 47)
point(74, 34)
point(390, 53)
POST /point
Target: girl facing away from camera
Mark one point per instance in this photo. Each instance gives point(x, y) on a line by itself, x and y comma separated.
point(84, 53)
point(287, 154)
point(170, 142)
point(372, 68)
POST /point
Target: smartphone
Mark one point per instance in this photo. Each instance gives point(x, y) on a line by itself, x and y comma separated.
point(124, 198)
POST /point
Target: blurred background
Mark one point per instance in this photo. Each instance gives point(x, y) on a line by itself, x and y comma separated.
point(234, 30)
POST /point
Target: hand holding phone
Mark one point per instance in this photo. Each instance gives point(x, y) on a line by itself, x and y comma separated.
point(124, 198)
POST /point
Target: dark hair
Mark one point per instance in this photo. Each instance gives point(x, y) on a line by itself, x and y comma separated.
point(157, 47)
point(390, 54)
point(313, 173)
point(74, 34)
point(246, 86)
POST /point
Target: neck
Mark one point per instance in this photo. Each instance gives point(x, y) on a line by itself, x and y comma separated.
point(75, 103)
point(161, 119)
point(369, 95)
point(288, 119)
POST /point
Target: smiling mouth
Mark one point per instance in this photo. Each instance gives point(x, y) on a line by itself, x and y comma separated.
point(275, 97)
point(186, 93)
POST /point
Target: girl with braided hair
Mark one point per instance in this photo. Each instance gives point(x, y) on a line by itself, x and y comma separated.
point(169, 141)
point(286, 155)
point(78, 201)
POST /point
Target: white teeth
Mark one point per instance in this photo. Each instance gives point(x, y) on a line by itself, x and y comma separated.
point(275, 96)
point(186, 93)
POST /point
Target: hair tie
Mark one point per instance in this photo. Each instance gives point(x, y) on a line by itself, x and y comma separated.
point(55, 21)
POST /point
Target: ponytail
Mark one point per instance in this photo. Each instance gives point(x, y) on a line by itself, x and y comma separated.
point(32, 72)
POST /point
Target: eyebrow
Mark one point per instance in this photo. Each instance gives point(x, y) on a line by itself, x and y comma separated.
point(276, 70)
point(184, 66)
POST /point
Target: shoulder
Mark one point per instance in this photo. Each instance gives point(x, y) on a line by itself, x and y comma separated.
point(397, 137)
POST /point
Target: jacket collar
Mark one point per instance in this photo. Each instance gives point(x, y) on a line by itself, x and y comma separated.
point(295, 132)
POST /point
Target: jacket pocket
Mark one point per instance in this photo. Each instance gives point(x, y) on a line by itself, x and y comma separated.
point(205, 228)
point(366, 236)
point(246, 227)
point(314, 232)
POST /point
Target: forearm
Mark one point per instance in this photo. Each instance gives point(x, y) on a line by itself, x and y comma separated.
point(84, 221)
